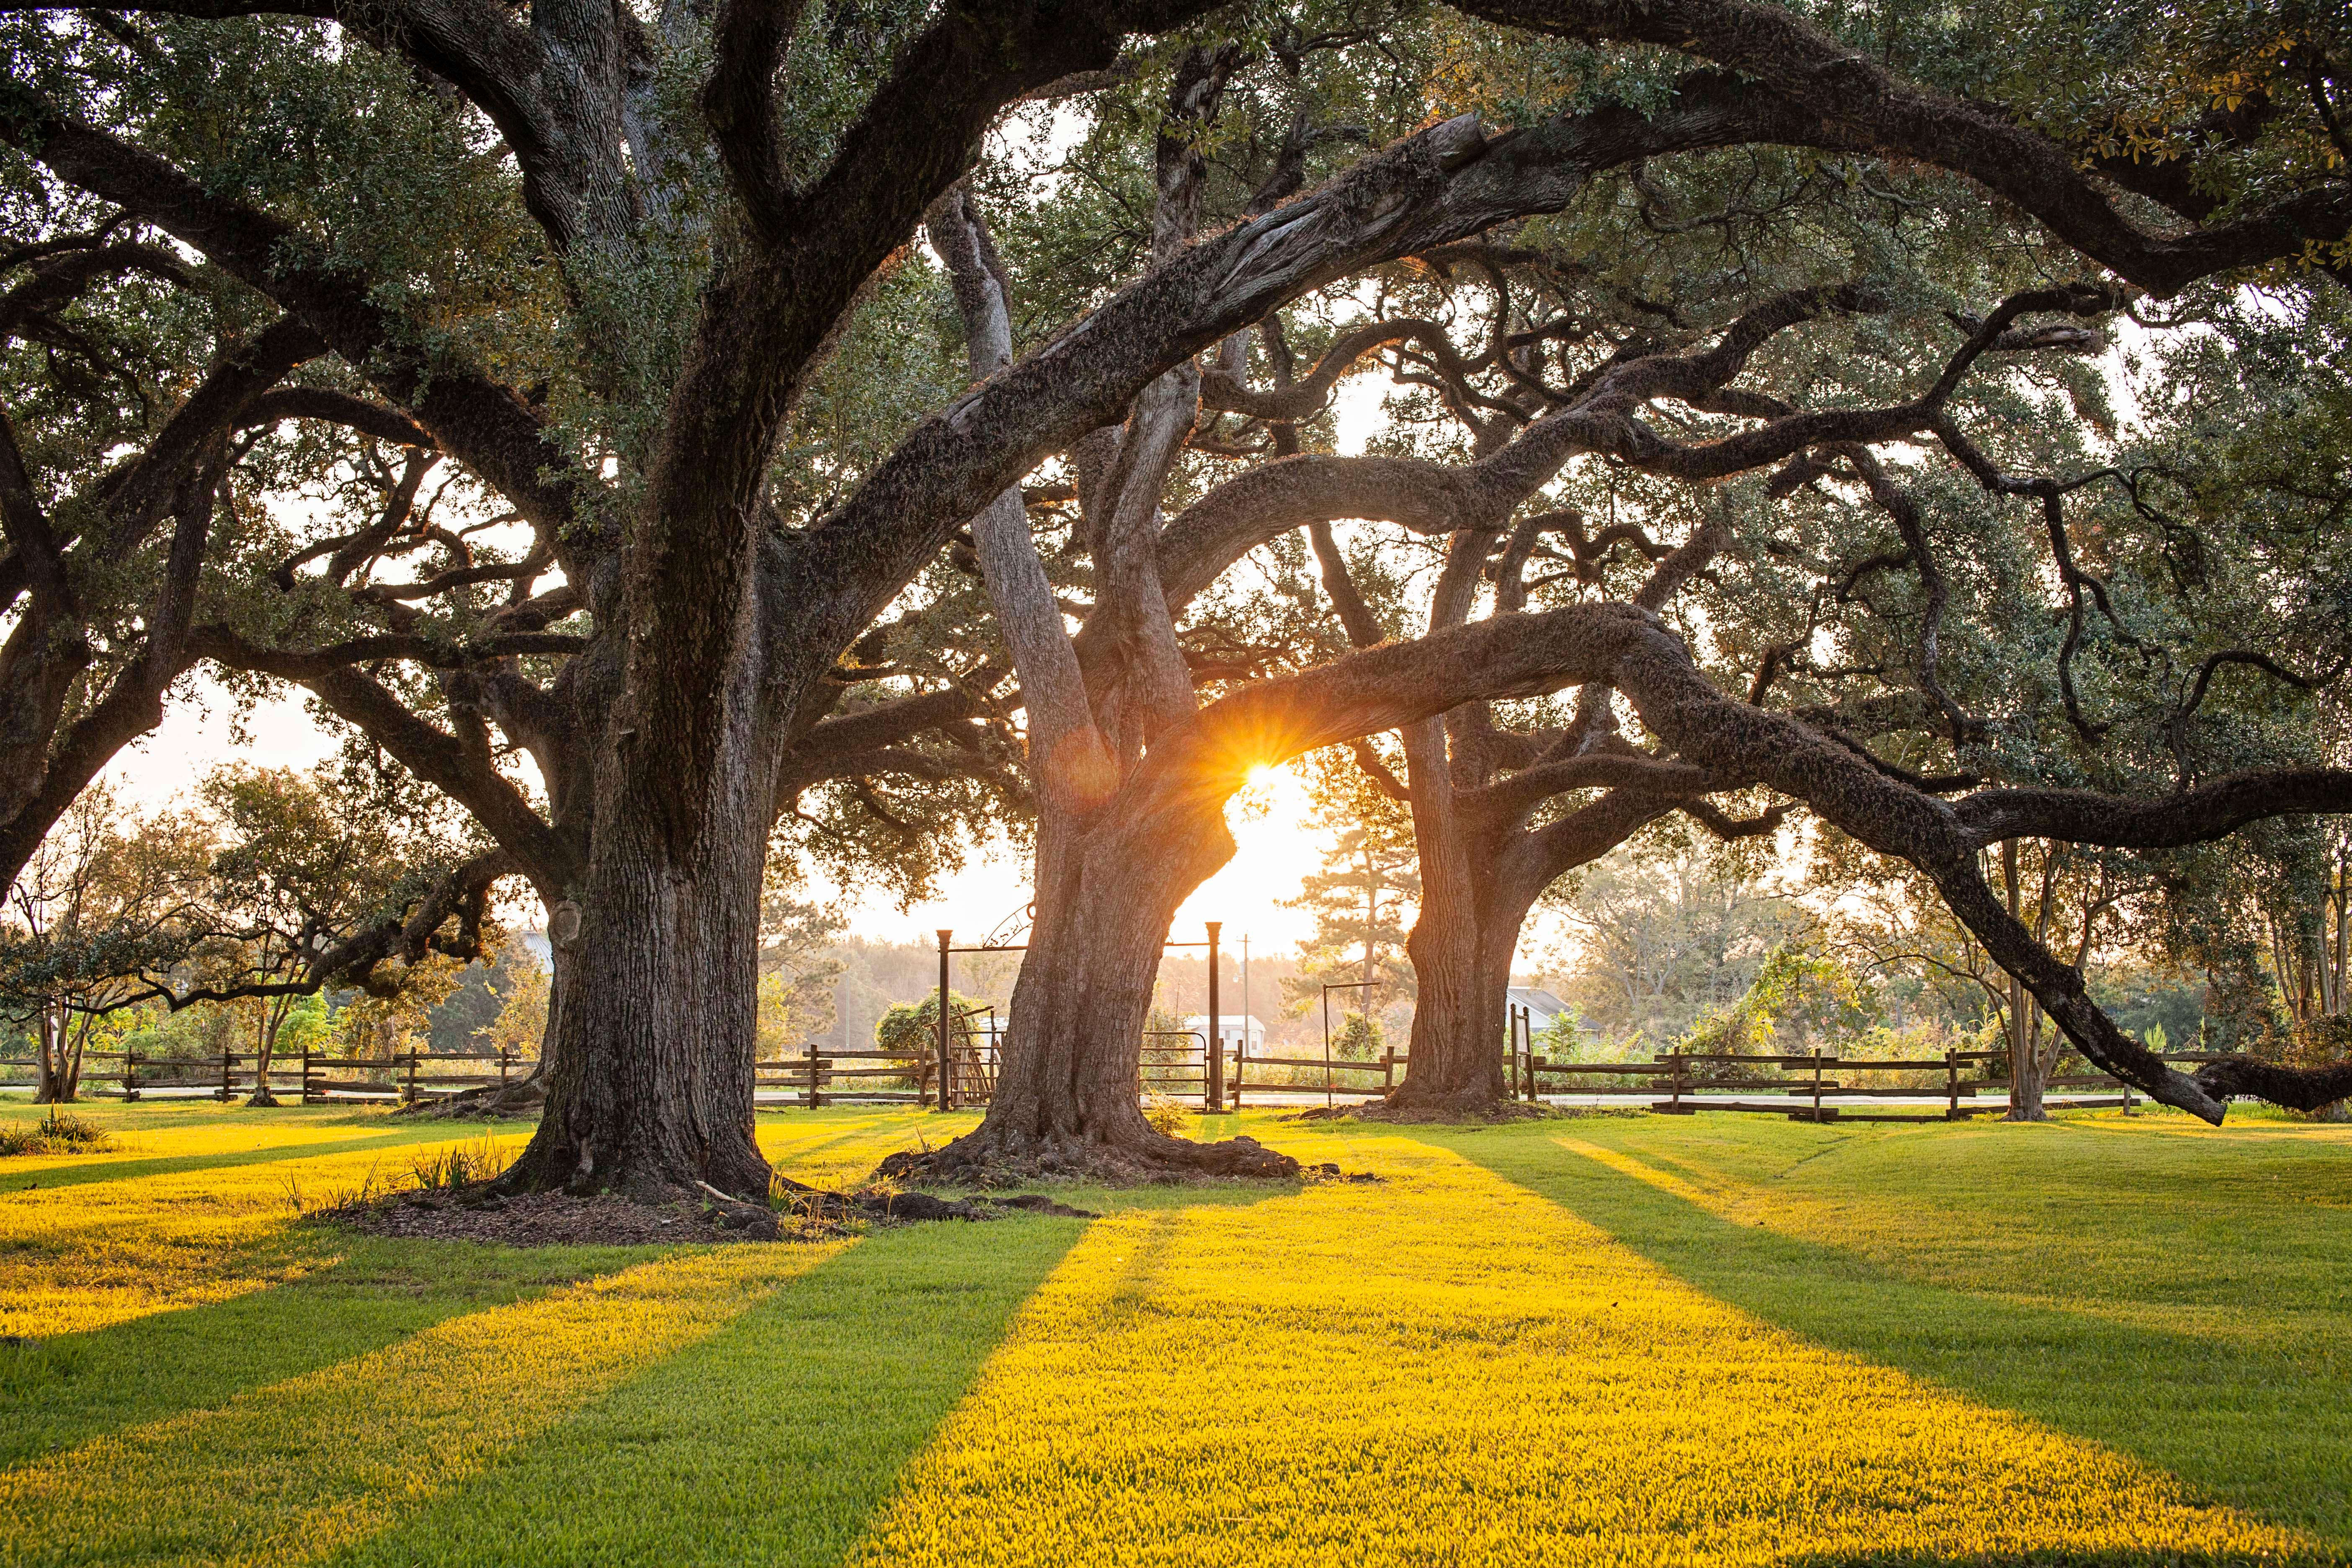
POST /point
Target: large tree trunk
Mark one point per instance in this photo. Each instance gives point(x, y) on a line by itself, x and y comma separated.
point(1455, 1062)
point(1489, 875)
point(1069, 1096)
point(652, 1031)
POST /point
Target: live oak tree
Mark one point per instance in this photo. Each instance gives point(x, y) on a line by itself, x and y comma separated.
point(1737, 745)
point(604, 264)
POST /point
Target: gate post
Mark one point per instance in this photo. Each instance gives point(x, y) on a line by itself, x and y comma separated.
point(946, 938)
point(1212, 1070)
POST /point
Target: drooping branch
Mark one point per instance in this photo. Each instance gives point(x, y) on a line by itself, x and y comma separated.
point(2211, 811)
point(1440, 185)
point(1851, 102)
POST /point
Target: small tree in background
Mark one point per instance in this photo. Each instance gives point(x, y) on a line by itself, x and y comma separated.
point(1362, 897)
point(1359, 1038)
point(104, 901)
point(521, 1021)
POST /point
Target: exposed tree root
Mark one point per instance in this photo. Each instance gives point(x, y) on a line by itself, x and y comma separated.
point(481, 1213)
point(880, 1204)
point(1486, 1114)
point(263, 1097)
point(986, 1159)
point(491, 1102)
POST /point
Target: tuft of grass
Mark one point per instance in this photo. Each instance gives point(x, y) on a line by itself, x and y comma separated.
point(463, 1165)
point(1167, 1117)
point(60, 1133)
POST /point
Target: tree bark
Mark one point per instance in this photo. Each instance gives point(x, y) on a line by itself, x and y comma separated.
point(60, 1069)
point(273, 1016)
point(1066, 1100)
point(1454, 1064)
point(653, 1012)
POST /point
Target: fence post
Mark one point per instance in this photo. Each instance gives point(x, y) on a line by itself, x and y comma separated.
point(409, 1097)
point(503, 1070)
point(812, 1074)
point(1951, 1086)
point(946, 937)
point(130, 1075)
point(228, 1091)
point(1677, 1060)
point(1326, 1050)
point(1388, 1071)
point(1817, 1083)
point(1528, 1054)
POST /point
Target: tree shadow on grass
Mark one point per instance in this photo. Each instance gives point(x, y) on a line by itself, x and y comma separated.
point(2258, 1432)
point(175, 1164)
point(770, 1442)
point(74, 1387)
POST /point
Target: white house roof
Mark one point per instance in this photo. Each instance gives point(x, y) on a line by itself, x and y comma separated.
point(1537, 1001)
point(1228, 1023)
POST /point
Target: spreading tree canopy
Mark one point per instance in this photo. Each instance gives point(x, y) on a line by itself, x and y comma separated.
point(565, 383)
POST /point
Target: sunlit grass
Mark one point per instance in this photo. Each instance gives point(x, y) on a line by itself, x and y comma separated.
point(1623, 1341)
point(295, 1470)
point(2181, 1297)
point(1447, 1368)
point(97, 1240)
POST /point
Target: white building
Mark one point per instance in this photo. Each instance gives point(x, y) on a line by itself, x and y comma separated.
point(1231, 1026)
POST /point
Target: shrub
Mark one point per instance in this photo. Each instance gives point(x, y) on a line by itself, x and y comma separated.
point(62, 1134)
point(1167, 1117)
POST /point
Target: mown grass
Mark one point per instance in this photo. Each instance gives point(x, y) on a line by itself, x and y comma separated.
point(1609, 1339)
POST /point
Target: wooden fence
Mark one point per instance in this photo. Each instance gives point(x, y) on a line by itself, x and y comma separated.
point(1174, 1064)
point(309, 1076)
point(1802, 1084)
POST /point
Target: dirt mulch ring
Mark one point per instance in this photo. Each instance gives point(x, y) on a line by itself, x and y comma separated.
point(556, 1219)
point(560, 1219)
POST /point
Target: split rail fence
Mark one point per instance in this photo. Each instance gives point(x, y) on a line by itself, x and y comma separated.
point(1176, 1064)
point(1799, 1087)
point(309, 1076)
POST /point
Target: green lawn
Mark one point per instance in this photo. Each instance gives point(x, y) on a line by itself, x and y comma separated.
point(1624, 1340)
